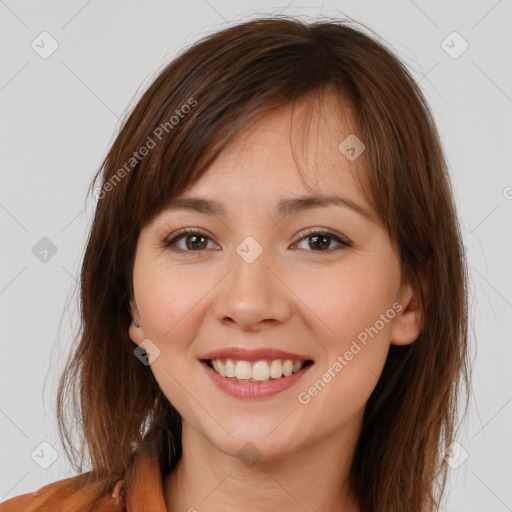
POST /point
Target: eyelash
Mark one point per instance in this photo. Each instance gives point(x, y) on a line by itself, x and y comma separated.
point(307, 233)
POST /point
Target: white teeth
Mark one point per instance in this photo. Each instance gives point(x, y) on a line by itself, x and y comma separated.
point(243, 370)
point(259, 371)
point(230, 368)
point(287, 368)
point(276, 369)
point(221, 368)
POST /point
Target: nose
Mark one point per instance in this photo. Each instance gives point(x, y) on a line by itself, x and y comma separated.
point(253, 295)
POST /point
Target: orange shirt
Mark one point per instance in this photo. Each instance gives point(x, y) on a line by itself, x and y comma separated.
point(144, 495)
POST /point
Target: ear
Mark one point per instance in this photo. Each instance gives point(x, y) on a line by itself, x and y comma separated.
point(407, 324)
point(136, 333)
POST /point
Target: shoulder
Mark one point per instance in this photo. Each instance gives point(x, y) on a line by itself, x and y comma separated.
point(65, 495)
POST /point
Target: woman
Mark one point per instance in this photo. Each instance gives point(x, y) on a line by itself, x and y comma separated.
point(309, 353)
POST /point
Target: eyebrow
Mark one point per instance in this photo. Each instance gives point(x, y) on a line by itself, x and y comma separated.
point(284, 207)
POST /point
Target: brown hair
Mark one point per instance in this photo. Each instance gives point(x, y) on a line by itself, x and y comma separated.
point(202, 100)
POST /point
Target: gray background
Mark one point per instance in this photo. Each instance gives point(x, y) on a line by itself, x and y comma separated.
point(59, 115)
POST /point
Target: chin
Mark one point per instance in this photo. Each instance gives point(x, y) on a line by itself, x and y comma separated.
point(259, 441)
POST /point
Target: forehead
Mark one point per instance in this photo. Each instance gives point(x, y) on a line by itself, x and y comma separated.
point(265, 158)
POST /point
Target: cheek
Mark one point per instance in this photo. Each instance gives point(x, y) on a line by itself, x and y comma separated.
point(356, 307)
point(345, 301)
point(167, 297)
point(169, 302)
point(355, 314)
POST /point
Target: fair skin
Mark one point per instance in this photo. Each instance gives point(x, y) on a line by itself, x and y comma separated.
point(293, 296)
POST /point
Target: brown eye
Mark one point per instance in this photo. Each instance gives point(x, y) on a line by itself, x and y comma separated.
point(321, 240)
point(195, 241)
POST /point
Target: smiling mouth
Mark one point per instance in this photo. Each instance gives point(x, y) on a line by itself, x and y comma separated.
point(256, 371)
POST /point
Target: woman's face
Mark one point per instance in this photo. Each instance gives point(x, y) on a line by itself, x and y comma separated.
point(250, 280)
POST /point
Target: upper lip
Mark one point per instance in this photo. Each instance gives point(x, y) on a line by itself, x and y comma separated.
point(244, 354)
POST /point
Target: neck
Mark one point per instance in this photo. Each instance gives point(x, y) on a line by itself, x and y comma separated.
point(313, 479)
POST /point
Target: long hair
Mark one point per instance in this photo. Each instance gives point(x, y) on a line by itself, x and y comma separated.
point(195, 106)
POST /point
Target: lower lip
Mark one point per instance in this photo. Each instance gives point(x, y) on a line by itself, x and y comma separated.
point(253, 389)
